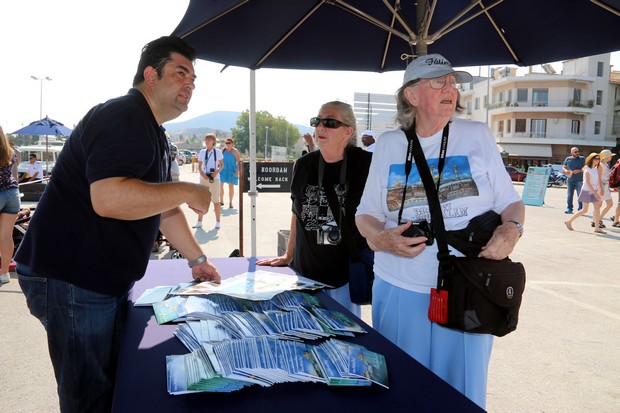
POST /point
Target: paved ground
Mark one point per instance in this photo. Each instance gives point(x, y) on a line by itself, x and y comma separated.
point(564, 357)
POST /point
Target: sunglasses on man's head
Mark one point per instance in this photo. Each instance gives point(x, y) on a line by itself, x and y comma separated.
point(327, 122)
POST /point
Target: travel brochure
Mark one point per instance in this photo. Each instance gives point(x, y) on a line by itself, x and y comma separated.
point(258, 285)
point(252, 331)
point(233, 364)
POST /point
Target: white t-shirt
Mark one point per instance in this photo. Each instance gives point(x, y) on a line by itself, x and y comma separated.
point(33, 168)
point(474, 180)
point(210, 159)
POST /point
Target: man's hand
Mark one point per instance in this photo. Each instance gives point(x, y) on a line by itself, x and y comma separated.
point(206, 271)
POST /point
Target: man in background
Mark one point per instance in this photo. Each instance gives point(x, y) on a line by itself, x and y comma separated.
point(35, 170)
point(572, 168)
point(368, 140)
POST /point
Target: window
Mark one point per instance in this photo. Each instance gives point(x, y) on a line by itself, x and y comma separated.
point(486, 101)
point(477, 104)
point(520, 125)
point(502, 97)
point(599, 69)
point(597, 127)
point(577, 95)
point(510, 96)
point(539, 128)
point(500, 128)
point(574, 127)
point(508, 125)
point(599, 97)
point(469, 107)
point(521, 95)
point(540, 97)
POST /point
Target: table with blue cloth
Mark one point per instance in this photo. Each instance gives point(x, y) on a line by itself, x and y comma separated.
point(141, 379)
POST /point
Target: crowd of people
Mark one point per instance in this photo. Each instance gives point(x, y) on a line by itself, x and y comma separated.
point(344, 199)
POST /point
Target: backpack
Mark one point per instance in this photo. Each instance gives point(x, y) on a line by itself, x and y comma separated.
point(614, 175)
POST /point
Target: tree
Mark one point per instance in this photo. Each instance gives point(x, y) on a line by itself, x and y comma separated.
point(281, 133)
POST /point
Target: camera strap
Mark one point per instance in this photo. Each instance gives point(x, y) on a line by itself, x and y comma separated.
point(332, 200)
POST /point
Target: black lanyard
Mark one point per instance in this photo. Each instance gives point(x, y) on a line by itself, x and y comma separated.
point(412, 139)
point(342, 181)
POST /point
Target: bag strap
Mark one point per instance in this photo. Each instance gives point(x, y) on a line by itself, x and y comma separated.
point(414, 148)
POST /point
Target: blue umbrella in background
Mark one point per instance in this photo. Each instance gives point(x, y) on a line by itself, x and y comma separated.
point(45, 126)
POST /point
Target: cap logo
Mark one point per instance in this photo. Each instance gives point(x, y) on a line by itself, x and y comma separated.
point(436, 61)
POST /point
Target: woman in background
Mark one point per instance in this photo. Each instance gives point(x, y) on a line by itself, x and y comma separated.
point(230, 173)
point(9, 205)
point(591, 192)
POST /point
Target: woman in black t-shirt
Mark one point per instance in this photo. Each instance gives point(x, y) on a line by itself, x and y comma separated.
point(326, 189)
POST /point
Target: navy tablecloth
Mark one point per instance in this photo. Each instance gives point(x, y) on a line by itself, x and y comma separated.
point(141, 379)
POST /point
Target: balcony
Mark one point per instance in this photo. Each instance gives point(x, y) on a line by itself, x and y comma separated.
point(572, 106)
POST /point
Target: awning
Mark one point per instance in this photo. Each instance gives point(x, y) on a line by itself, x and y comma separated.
point(538, 151)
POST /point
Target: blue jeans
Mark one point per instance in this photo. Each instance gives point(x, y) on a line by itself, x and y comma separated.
point(571, 187)
point(83, 333)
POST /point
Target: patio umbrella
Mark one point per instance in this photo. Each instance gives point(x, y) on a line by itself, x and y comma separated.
point(383, 35)
point(47, 127)
point(372, 35)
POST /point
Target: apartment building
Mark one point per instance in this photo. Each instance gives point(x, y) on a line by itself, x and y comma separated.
point(536, 117)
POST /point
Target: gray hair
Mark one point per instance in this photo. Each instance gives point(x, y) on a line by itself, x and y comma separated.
point(348, 117)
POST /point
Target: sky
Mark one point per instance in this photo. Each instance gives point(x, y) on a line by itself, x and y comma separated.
point(90, 50)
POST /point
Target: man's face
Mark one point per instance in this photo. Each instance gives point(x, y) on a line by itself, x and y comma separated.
point(32, 159)
point(367, 140)
point(174, 90)
point(209, 143)
point(575, 152)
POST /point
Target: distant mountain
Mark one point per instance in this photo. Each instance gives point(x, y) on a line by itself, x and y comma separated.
point(222, 120)
point(212, 122)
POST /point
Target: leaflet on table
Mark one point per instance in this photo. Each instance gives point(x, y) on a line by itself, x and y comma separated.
point(157, 294)
point(231, 365)
point(258, 285)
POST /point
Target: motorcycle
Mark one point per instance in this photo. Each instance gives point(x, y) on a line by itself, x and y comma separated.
point(556, 179)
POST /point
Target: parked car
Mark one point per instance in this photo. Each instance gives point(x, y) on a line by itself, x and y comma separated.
point(515, 174)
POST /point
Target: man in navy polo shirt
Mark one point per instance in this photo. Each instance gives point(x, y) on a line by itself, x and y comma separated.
point(572, 168)
point(92, 234)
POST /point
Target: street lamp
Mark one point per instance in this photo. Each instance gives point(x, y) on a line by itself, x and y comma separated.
point(266, 138)
point(41, 96)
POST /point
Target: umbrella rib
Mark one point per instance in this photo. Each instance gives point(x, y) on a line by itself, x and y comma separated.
point(448, 27)
point(286, 36)
point(396, 15)
point(378, 23)
point(501, 36)
point(387, 43)
point(606, 7)
point(207, 22)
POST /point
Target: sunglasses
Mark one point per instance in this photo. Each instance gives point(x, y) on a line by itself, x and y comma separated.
point(327, 122)
point(596, 159)
point(228, 143)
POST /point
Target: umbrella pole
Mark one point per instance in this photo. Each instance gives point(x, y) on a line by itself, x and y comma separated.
point(252, 135)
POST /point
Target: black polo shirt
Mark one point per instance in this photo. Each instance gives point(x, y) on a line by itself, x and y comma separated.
point(66, 239)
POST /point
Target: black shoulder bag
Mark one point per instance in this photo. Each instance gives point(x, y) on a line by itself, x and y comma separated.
point(361, 275)
point(475, 295)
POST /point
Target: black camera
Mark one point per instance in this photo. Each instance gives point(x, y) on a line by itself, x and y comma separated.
point(420, 229)
point(328, 234)
point(210, 174)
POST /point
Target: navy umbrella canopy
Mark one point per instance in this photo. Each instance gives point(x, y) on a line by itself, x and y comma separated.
point(45, 126)
point(372, 35)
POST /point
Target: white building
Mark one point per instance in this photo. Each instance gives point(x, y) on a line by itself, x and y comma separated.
point(536, 117)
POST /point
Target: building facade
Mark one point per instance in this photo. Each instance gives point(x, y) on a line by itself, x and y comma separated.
point(537, 117)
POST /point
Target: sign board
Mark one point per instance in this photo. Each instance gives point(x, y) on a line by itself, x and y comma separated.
point(535, 185)
point(270, 176)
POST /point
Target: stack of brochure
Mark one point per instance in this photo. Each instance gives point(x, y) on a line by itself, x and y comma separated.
point(231, 365)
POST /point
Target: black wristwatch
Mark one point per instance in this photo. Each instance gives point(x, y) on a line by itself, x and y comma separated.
point(519, 226)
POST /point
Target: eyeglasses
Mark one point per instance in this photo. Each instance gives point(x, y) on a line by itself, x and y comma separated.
point(327, 122)
point(438, 83)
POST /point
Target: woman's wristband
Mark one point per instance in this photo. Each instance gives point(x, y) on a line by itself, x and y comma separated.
point(197, 261)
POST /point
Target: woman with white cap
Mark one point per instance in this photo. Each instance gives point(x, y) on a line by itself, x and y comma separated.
point(605, 156)
point(472, 182)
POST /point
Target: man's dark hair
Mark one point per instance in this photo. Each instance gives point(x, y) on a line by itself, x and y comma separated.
point(157, 53)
